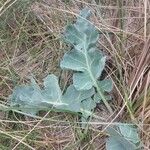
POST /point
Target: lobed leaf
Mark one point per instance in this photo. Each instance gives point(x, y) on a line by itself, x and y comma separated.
point(106, 85)
point(73, 98)
point(97, 98)
point(82, 33)
point(113, 143)
point(129, 133)
point(31, 99)
point(52, 91)
point(87, 106)
point(84, 59)
point(87, 63)
point(90, 65)
point(123, 137)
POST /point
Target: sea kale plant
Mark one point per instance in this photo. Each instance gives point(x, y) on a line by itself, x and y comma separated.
point(85, 59)
point(123, 137)
point(87, 63)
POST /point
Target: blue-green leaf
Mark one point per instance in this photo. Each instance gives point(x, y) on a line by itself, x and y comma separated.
point(31, 99)
point(87, 106)
point(86, 27)
point(98, 98)
point(90, 65)
point(73, 98)
point(106, 85)
point(82, 34)
point(82, 81)
point(119, 139)
point(129, 132)
point(27, 97)
point(85, 59)
point(74, 36)
point(74, 60)
point(85, 13)
point(52, 90)
point(114, 144)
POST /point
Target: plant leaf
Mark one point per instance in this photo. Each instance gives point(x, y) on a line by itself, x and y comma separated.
point(113, 144)
point(106, 85)
point(98, 99)
point(52, 90)
point(129, 132)
point(84, 59)
point(82, 33)
point(74, 60)
point(85, 13)
point(120, 141)
point(73, 98)
point(86, 27)
point(27, 97)
point(31, 99)
point(87, 106)
point(82, 81)
point(89, 64)
point(73, 35)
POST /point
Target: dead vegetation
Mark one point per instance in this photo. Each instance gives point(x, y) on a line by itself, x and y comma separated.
point(30, 43)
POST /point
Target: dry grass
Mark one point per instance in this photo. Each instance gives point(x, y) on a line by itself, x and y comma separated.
point(30, 43)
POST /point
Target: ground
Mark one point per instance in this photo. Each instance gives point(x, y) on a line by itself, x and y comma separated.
point(31, 44)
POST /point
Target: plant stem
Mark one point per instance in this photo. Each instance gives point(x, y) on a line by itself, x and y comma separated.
point(103, 97)
point(96, 85)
